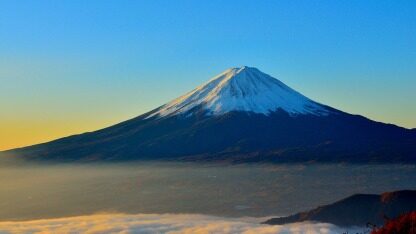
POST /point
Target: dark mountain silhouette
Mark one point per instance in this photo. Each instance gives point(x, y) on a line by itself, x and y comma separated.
point(357, 210)
point(241, 115)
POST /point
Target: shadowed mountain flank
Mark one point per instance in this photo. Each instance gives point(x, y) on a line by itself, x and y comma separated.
point(241, 115)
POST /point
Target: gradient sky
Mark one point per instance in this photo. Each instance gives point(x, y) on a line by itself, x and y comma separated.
point(72, 66)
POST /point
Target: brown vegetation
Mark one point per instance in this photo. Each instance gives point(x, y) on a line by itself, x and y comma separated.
point(404, 224)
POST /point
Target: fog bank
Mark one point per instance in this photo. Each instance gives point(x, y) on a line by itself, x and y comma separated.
point(164, 223)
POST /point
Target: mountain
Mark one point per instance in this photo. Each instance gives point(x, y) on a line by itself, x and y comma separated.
point(357, 210)
point(241, 115)
point(242, 89)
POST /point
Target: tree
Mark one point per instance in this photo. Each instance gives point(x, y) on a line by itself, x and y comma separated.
point(404, 224)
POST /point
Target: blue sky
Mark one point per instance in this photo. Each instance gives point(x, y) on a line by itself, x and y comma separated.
point(74, 66)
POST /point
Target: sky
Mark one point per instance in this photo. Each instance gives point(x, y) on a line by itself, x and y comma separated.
point(72, 66)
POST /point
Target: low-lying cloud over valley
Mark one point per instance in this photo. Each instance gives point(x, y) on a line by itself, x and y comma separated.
point(160, 223)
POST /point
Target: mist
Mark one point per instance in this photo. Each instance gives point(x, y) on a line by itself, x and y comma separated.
point(36, 191)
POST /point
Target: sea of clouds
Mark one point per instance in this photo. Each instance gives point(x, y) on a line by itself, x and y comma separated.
point(161, 223)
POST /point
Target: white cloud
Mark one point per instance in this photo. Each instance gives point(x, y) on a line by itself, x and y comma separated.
point(159, 223)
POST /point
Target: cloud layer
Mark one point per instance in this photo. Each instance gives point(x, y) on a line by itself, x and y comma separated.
point(155, 223)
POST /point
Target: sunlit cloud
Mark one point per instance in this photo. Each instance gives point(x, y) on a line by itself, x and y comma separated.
point(163, 223)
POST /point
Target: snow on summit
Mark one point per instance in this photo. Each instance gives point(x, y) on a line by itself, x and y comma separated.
point(242, 89)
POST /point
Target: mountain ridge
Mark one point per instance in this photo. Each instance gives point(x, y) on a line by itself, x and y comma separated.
point(357, 210)
point(188, 128)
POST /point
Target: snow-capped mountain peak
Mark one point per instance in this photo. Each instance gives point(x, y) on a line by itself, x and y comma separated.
point(242, 89)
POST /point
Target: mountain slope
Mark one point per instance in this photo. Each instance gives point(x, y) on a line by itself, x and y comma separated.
point(358, 210)
point(242, 115)
point(243, 89)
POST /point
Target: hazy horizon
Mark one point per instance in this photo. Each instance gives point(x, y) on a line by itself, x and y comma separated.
point(186, 188)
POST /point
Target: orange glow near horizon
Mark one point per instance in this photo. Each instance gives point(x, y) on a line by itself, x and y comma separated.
point(18, 133)
point(15, 133)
